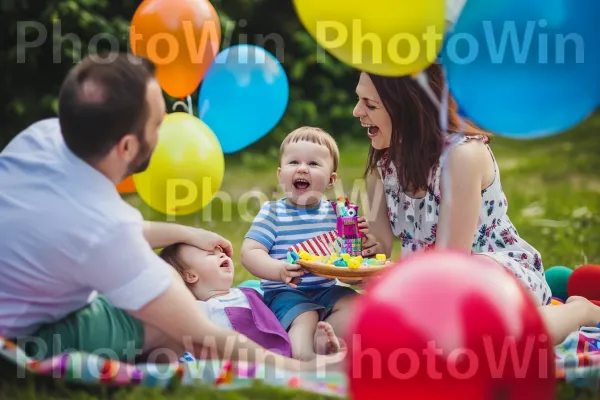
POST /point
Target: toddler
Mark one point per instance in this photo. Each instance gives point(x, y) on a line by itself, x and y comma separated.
point(209, 276)
point(312, 309)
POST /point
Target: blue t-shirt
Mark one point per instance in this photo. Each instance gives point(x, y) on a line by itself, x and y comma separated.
point(280, 225)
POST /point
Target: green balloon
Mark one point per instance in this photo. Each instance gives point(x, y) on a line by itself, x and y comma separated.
point(557, 278)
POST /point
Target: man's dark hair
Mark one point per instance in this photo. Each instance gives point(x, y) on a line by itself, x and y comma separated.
point(102, 100)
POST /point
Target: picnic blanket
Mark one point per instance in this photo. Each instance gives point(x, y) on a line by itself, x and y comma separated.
point(578, 358)
point(577, 363)
point(80, 367)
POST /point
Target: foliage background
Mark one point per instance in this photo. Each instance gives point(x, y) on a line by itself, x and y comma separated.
point(552, 184)
point(320, 93)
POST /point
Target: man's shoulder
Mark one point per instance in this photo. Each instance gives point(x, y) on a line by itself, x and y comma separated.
point(41, 135)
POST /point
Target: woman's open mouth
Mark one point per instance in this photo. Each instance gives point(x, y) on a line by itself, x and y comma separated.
point(301, 184)
point(372, 130)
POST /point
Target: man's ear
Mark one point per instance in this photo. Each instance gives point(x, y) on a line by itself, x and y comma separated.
point(190, 277)
point(128, 147)
point(332, 180)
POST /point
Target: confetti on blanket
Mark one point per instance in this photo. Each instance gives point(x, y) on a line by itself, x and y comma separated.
point(577, 362)
point(578, 358)
point(78, 367)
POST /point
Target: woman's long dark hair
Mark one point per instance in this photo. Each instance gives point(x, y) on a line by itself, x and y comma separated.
point(417, 140)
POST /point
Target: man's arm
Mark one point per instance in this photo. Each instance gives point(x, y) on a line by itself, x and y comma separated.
point(175, 313)
point(122, 267)
point(162, 234)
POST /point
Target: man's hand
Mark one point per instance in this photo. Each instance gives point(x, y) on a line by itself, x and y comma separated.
point(290, 274)
point(163, 234)
point(208, 241)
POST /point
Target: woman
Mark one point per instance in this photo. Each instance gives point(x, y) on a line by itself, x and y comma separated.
point(435, 190)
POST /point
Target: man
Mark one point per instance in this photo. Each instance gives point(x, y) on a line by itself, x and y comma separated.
point(68, 235)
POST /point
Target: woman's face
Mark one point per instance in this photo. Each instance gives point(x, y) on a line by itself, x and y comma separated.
point(372, 113)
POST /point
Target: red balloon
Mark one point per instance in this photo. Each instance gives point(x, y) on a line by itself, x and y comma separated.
point(443, 325)
point(585, 282)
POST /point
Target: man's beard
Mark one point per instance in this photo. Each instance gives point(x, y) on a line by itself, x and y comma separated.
point(142, 159)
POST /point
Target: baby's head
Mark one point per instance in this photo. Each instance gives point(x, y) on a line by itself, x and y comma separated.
point(308, 162)
point(204, 272)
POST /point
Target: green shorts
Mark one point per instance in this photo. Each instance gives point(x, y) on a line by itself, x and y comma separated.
point(99, 328)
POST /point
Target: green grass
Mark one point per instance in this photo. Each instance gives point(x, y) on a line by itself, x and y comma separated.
point(553, 188)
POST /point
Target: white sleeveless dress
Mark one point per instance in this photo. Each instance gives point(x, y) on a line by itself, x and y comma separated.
point(415, 222)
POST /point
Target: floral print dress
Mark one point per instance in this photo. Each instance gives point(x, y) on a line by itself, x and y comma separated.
point(415, 222)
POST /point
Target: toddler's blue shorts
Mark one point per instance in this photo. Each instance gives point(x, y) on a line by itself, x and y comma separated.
point(288, 303)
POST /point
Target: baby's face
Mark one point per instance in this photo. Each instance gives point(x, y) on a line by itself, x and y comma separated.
point(213, 268)
point(306, 171)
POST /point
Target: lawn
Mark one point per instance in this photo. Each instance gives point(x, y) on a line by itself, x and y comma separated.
point(552, 184)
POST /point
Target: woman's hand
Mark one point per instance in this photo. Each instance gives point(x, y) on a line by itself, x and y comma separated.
point(363, 225)
point(370, 244)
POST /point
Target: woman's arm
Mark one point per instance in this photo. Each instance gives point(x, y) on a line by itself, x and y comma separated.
point(162, 234)
point(461, 183)
point(377, 216)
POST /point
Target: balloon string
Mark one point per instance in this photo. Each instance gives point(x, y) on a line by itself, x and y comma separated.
point(422, 80)
point(446, 179)
point(180, 103)
point(186, 107)
point(190, 107)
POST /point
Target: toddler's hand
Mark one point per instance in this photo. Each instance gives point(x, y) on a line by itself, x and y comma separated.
point(290, 273)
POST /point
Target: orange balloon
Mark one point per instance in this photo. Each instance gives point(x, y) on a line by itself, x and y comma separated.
point(127, 185)
point(182, 37)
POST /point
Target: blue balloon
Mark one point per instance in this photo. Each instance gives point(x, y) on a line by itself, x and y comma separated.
point(525, 68)
point(243, 96)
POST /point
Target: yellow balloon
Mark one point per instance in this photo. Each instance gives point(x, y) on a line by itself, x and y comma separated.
point(383, 37)
point(186, 169)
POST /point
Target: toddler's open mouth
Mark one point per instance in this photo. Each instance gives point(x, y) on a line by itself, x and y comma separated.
point(301, 184)
point(225, 264)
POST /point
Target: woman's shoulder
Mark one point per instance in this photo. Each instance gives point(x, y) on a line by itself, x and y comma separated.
point(465, 150)
point(472, 155)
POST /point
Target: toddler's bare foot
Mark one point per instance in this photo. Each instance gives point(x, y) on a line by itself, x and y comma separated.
point(325, 341)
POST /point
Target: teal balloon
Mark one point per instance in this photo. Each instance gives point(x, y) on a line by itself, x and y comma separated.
point(243, 96)
point(557, 278)
point(525, 68)
point(252, 284)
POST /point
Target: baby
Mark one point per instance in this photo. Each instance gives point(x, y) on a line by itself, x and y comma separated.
point(209, 276)
point(312, 309)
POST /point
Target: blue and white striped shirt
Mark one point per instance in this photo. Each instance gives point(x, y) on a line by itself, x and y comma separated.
point(280, 225)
